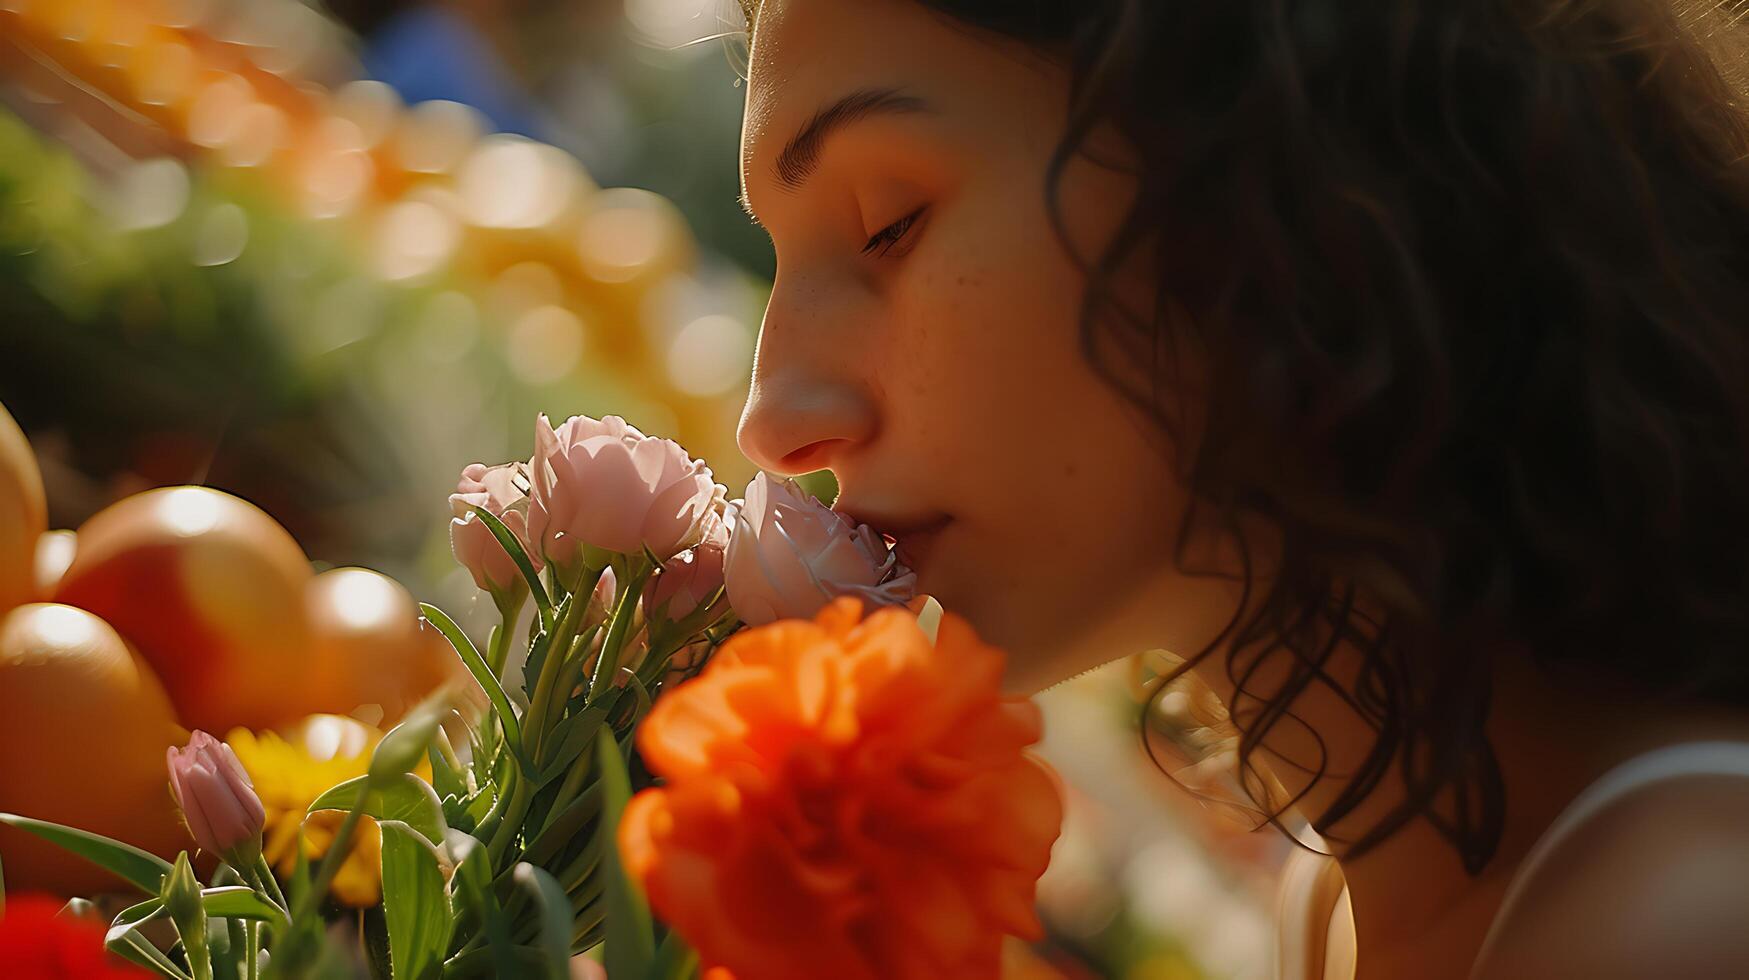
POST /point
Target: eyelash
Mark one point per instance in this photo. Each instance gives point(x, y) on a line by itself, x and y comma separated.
point(891, 235)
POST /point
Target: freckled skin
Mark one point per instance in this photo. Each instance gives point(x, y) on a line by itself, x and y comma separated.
point(946, 376)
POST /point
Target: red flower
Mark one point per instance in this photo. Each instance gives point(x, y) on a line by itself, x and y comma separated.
point(842, 799)
point(38, 944)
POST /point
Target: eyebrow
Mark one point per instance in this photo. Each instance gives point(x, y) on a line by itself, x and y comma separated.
point(801, 155)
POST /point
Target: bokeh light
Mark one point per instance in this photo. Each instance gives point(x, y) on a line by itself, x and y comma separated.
point(221, 235)
point(414, 238)
point(515, 183)
point(710, 356)
point(545, 344)
point(436, 136)
point(149, 193)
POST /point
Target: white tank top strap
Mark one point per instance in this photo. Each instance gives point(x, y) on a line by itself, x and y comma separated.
point(1662, 765)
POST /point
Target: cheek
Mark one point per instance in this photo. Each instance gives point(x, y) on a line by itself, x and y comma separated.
point(988, 374)
point(985, 319)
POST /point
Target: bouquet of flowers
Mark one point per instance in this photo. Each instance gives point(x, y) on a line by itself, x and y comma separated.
point(741, 747)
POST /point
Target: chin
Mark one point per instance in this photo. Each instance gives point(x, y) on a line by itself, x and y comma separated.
point(1028, 648)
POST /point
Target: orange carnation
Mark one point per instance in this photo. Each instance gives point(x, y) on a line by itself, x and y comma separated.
point(843, 799)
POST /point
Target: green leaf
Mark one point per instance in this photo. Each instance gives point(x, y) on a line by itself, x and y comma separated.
point(229, 949)
point(446, 778)
point(555, 918)
point(182, 898)
point(374, 942)
point(514, 961)
point(585, 877)
point(137, 949)
point(476, 809)
point(415, 904)
point(408, 799)
point(537, 656)
point(300, 883)
point(401, 749)
point(675, 960)
point(631, 941)
point(564, 825)
point(140, 914)
point(488, 682)
point(635, 684)
point(141, 869)
point(239, 902)
point(514, 548)
point(473, 884)
point(574, 734)
point(80, 908)
point(125, 940)
point(570, 677)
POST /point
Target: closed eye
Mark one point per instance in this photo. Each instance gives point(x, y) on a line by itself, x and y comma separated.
point(887, 238)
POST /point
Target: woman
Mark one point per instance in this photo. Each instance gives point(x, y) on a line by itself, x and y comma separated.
point(1386, 360)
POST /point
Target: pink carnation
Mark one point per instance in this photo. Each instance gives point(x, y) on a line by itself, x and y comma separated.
point(790, 555)
point(605, 486)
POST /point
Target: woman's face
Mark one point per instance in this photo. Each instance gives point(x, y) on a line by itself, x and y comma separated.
point(923, 339)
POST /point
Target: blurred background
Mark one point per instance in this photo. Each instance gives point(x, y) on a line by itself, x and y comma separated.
point(321, 256)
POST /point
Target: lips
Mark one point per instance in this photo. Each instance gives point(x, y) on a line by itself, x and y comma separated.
point(913, 536)
point(914, 547)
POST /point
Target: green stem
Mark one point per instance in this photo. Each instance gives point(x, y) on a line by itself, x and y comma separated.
point(514, 814)
point(573, 783)
point(558, 647)
point(332, 860)
point(253, 949)
point(572, 674)
point(261, 876)
point(607, 664)
point(200, 959)
point(498, 650)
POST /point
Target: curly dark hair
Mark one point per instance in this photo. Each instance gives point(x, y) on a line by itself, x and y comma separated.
point(1470, 280)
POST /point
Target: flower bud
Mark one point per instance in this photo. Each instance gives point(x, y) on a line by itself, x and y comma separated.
point(217, 799)
point(182, 893)
point(691, 578)
point(602, 600)
point(503, 492)
point(182, 899)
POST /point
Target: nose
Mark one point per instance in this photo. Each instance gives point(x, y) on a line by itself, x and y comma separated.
point(810, 402)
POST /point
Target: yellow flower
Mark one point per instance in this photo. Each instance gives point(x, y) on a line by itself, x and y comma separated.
point(292, 767)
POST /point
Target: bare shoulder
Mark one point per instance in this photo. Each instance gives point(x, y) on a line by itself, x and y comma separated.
point(1655, 884)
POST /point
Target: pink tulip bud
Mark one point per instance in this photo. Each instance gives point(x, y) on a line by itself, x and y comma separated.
point(218, 801)
point(602, 600)
point(503, 492)
point(603, 486)
point(790, 555)
point(691, 578)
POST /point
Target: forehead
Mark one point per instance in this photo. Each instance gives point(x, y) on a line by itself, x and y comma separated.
point(804, 50)
point(807, 53)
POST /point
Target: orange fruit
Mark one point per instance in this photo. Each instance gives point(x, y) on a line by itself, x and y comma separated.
point(83, 731)
point(24, 514)
point(372, 650)
point(54, 552)
point(363, 625)
point(210, 590)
